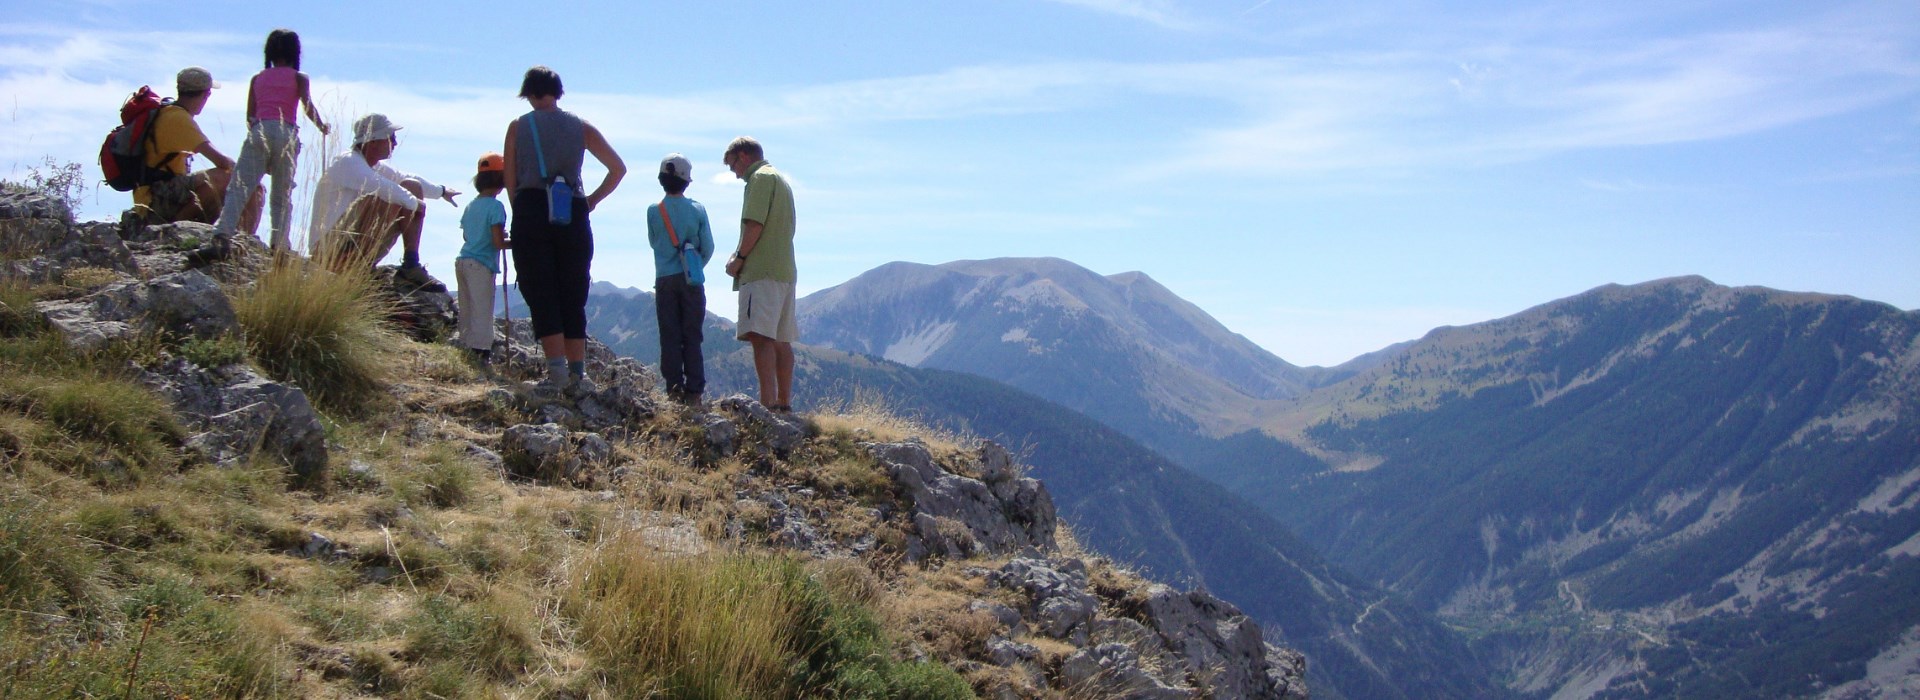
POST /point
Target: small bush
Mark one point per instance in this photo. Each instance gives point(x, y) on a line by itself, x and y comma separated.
point(325, 331)
point(214, 353)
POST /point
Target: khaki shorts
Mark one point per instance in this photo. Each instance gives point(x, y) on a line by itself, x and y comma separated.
point(766, 308)
point(167, 197)
point(365, 234)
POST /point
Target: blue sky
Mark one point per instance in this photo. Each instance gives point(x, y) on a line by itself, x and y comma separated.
point(1324, 178)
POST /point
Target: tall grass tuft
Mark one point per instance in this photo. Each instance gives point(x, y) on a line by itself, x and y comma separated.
point(322, 330)
point(734, 625)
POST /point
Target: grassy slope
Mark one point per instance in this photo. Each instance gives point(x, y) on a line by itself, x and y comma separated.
point(126, 568)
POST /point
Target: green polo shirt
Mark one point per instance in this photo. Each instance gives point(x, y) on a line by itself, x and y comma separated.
point(769, 202)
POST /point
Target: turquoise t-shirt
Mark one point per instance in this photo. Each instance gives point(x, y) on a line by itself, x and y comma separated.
point(477, 224)
point(689, 224)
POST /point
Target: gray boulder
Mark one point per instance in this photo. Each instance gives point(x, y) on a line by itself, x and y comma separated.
point(1216, 641)
point(956, 516)
point(1114, 670)
point(779, 433)
point(237, 412)
point(548, 452)
point(187, 302)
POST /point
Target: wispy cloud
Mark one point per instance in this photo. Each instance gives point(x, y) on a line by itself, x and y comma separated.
point(1158, 12)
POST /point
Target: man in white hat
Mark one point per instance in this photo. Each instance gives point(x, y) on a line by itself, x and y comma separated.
point(176, 138)
point(361, 205)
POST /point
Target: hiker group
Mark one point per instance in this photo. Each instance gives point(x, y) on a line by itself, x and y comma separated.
point(362, 206)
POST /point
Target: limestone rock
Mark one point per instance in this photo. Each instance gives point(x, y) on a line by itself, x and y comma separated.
point(238, 412)
point(187, 302)
point(956, 515)
point(549, 452)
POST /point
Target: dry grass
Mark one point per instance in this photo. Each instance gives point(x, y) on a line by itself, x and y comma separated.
point(868, 418)
point(327, 332)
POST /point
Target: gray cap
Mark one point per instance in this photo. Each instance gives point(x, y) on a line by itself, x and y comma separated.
point(678, 166)
point(194, 79)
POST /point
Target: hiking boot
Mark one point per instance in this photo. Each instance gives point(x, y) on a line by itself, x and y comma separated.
point(210, 252)
point(414, 273)
point(581, 386)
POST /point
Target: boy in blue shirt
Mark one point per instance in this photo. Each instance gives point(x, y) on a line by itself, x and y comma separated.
point(682, 243)
point(484, 224)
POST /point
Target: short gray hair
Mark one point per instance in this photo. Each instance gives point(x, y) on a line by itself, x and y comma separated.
point(747, 145)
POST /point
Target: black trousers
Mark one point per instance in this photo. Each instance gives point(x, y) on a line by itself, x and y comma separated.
point(682, 309)
point(553, 265)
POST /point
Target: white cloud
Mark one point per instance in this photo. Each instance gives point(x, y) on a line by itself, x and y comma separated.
point(1158, 12)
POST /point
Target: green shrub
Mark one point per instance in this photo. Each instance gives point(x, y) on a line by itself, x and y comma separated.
point(214, 353)
point(324, 331)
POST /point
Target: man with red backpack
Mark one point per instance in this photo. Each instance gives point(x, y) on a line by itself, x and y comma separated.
point(175, 136)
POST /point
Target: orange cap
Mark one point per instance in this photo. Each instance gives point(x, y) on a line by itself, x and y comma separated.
point(493, 162)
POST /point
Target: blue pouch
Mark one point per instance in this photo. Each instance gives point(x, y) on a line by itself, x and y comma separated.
point(559, 202)
point(690, 259)
point(559, 193)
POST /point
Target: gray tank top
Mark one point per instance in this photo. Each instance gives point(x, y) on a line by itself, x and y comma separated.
point(563, 137)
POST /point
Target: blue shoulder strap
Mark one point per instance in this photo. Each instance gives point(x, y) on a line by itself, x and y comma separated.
point(538, 152)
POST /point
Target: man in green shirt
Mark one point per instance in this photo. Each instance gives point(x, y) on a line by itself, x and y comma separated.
point(763, 271)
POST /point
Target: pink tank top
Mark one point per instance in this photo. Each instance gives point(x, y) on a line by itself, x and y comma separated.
point(276, 95)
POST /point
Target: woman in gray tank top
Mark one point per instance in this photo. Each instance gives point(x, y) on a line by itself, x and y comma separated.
point(555, 261)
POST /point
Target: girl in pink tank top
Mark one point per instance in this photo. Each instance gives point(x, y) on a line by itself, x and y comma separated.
point(273, 141)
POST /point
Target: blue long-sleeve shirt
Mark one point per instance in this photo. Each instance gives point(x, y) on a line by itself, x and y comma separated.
point(689, 223)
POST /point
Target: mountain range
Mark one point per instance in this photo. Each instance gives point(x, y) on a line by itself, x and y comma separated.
point(1131, 503)
point(1666, 489)
point(1671, 488)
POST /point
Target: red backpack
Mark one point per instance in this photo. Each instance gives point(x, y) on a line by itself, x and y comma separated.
point(123, 157)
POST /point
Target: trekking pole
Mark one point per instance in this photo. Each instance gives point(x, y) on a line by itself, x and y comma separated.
point(506, 301)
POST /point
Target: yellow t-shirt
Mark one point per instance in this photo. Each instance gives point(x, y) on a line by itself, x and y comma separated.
point(174, 131)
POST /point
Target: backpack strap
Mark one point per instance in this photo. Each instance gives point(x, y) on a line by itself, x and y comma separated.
point(669, 222)
point(152, 138)
point(538, 152)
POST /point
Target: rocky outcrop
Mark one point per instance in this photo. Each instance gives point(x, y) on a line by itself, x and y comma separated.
point(237, 413)
point(1167, 643)
point(186, 303)
point(957, 516)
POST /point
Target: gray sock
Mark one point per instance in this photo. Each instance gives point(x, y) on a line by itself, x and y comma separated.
point(557, 371)
point(577, 369)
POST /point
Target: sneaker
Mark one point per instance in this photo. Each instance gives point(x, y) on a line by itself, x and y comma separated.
point(210, 252)
point(415, 273)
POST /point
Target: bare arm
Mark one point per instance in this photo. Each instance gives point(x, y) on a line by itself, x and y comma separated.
point(250, 118)
point(500, 237)
point(306, 100)
point(750, 231)
point(616, 168)
point(507, 155)
point(220, 160)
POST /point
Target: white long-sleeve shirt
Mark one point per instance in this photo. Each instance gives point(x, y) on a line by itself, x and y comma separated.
point(349, 177)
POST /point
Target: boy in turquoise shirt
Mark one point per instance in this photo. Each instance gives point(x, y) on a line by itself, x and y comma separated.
point(484, 225)
point(681, 238)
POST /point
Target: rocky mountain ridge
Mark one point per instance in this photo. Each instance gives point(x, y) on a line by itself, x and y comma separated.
point(1122, 349)
point(1044, 621)
point(1670, 468)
